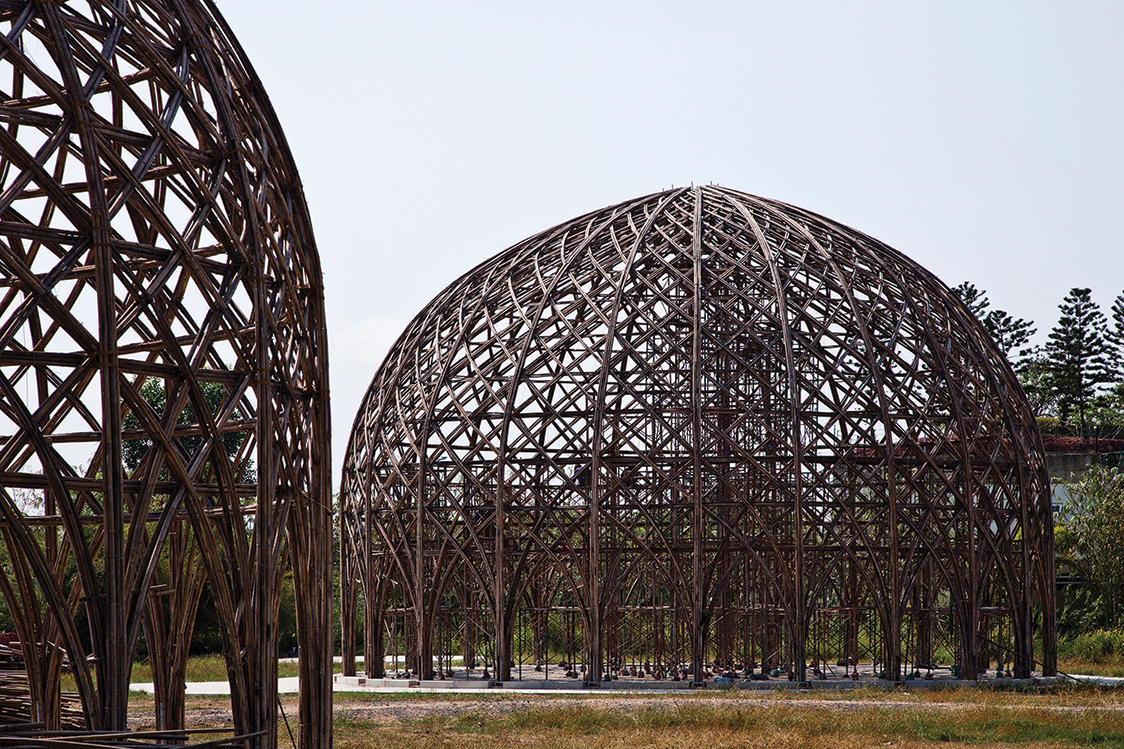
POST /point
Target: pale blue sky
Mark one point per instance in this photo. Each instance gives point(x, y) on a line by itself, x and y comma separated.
point(983, 139)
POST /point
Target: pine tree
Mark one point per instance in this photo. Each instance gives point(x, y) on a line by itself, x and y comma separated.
point(975, 300)
point(1011, 334)
point(1114, 336)
point(1077, 355)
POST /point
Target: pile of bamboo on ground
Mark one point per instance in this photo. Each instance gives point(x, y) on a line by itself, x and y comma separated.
point(11, 659)
point(15, 697)
point(32, 736)
point(15, 703)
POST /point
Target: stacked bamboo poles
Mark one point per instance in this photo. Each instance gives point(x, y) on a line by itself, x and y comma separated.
point(34, 736)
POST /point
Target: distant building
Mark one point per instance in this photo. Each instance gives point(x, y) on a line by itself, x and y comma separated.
point(1067, 459)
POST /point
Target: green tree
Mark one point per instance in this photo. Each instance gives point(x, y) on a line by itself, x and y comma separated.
point(1114, 337)
point(1034, 378)
point(1011, 334)
point(1107, 413)
point(153, 391)
point(974, 299)
point(1077, 356)
point(1091, 540)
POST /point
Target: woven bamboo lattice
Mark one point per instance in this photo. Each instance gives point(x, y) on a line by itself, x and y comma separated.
point(698, 427)
point(163, 391)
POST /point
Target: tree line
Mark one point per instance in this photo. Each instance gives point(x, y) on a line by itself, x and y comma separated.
point(1075, 380)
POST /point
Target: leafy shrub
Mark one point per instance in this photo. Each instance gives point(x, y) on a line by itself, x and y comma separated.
point(1098, 646)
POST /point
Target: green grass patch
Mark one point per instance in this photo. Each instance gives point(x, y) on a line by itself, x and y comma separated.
point(205, 668)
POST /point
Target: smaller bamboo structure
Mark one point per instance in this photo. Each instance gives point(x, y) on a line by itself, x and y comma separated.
point(698, 432)
point(164, 423)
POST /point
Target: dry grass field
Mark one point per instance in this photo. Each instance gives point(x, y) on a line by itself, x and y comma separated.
point(1061, 717)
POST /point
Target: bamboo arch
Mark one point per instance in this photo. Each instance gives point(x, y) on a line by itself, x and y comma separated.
point(164, 417)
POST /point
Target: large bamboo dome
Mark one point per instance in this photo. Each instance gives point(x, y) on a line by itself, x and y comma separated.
point(699, 427)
